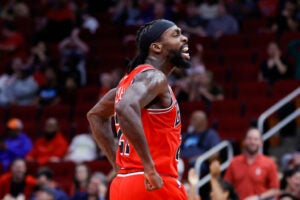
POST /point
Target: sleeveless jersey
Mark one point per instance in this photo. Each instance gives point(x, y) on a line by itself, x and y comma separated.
point(162, 128)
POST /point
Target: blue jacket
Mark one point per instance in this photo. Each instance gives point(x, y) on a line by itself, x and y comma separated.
point(16, 147)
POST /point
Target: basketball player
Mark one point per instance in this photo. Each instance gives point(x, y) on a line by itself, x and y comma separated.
point(147, 118)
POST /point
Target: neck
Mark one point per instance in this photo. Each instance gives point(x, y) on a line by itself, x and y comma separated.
point(200, 129)
point(160, 64)
point(250, 157)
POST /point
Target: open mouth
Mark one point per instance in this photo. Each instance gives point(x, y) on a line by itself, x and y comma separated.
point(185, 52)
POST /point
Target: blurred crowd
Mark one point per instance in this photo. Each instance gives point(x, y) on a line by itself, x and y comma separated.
point(49, 50)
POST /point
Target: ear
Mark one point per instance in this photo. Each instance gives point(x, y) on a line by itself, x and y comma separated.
point(156, 47)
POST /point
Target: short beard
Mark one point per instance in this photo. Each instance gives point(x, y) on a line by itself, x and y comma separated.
point(176, 59)
point(252, 152)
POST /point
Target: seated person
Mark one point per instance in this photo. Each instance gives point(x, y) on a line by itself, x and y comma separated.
point(199, 138)
point(51, 146)
point(15, 145)
point(82, 148)
point(45, 182)
point(16, 184)
point(97, 188)
point(273, 68)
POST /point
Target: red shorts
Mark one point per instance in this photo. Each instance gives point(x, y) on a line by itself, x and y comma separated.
point(132, 186)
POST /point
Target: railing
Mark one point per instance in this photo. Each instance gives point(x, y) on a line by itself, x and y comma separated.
point(275, 108)
point(226, 144)
point(200, 160)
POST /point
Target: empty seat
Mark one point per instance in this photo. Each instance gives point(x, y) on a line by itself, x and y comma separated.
point(284, 87)
point(225, 108)
point(244, 73)
point(99, 166)
point(60, 112)
point(233, 128)
point(251, 90)
point(228, 42)
point(24, 112)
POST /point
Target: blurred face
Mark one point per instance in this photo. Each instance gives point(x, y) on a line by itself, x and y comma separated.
point(253, 141)
point(273, 49)
point(42, 195)
point(42, 180)
point(17, 64)
point(18, 170)
point(175, 47)
point(51, 128)
point(81, 173)
point(198, 120)
point(93, 186)
point(221, 10)
point(294, 182)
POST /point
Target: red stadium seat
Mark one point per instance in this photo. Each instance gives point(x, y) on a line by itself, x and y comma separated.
point(253, 90)
point(261, 40)
point(238, 56)
point(225, 108)
point(99, 166)
point(22, 112)
point(233, 128)
point(256, 106)
point(231, 42)
point(284, 87)
point(254, 25)
point(244, 73)
point(88, 95)
point(60, 112)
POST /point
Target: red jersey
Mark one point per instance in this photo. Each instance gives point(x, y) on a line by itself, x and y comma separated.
point(162, 129)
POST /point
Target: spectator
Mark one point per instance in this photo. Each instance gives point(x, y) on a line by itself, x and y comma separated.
point(156, 10)
point(81, 178)
point(193, 23)
point(220, 189)
point(253, 175)
point(291, 186)
point(16, 145)
point(59, 20)
point(286, 21)
point(97, 188)
point(208, 9)
point(73, 51)
point(14, 9)
point(69, 96)
point(82, 148)
point(294, 51)
point(274, 67)
point(51, 146)
point(49, 93)
point(45, 194)
point(45, 180)
point(106, 82)
point(127, 13)
point(16, 184)
point(202, 87)
point(13, 42)
point(222, 24)
point(22, 90)
point(199, 137)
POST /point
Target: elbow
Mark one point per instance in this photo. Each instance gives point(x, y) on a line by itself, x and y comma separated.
point(124, 109)
point(90, 116)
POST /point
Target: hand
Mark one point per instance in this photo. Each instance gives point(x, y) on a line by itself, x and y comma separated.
point(153, 181)
point(192, 177)
point(215, 168)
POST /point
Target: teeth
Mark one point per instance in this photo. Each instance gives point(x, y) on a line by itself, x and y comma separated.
point(185, 49)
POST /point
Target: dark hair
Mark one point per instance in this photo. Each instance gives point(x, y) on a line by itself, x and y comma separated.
point(288, 173)
point(9, 26)
point(142, 54)
point(226, 186)
point(76, 182)
point(287, 195)
point(45, 171)
point(48, 190)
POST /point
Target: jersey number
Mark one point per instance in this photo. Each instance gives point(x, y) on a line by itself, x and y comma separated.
point(123, 142)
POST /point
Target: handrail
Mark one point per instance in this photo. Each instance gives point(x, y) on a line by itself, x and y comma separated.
point(276, 107)
point(200, 160)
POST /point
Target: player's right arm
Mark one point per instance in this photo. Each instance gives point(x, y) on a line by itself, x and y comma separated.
point(99, 118)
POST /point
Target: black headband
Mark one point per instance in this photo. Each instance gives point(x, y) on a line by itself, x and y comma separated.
point(154, 33)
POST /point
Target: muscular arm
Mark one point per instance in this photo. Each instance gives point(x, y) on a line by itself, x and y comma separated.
point(146, 87)
point(99, 118)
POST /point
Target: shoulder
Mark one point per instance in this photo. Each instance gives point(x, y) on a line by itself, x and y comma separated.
point(238, 159)
point(266, 160)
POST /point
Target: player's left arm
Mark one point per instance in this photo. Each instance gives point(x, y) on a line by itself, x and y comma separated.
point(146, 87)
point(99, 118)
